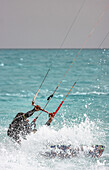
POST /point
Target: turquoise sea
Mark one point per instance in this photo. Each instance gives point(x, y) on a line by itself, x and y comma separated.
point(83, 118)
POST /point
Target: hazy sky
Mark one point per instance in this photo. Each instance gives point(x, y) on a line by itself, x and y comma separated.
point(46, 23)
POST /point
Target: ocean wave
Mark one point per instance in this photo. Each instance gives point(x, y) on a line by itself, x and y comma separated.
point(17, 94)
point(29, 94)
point(88, 93)
point(82, 94)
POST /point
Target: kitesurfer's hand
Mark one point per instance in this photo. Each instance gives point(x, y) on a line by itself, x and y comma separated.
point(37, 108)
point(51, 115)
point(33, 103)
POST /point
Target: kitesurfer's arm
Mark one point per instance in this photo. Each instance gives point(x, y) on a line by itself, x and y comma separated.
point(30, 113)
point(49, 120)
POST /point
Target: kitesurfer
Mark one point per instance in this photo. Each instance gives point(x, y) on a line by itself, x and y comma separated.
point(20, 126)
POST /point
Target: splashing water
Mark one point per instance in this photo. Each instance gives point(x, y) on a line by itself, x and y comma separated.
point(29, 154)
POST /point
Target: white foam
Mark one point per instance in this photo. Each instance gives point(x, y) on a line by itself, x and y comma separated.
point(28, 156)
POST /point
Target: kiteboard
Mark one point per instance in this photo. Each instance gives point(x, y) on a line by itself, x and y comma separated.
point(63, 151)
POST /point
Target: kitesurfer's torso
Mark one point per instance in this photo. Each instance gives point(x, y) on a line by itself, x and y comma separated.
point(20, 126)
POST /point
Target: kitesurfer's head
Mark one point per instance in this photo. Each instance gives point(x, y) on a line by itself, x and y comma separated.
point(19, 114)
